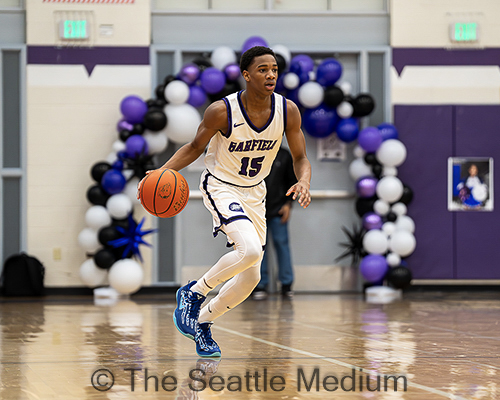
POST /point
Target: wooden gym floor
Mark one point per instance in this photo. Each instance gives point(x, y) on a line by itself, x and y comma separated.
point(443, 346)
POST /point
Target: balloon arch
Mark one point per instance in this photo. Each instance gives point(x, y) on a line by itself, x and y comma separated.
point(112, 236)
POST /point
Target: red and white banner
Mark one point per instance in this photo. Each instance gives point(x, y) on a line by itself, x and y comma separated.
point(91, 1)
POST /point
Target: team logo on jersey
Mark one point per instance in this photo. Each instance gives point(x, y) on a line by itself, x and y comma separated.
point(235, 207)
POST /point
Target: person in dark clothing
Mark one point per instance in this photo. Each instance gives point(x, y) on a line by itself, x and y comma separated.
point(278, 209)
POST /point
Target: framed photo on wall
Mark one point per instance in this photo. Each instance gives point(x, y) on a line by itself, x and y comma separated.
point(470, 184)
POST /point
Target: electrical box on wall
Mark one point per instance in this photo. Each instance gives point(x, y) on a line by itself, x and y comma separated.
point(330, 148)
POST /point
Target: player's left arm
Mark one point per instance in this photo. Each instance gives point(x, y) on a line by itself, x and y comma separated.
point(301, 164)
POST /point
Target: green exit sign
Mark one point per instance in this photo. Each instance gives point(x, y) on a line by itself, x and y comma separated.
point(74, 29)
point(464, 32)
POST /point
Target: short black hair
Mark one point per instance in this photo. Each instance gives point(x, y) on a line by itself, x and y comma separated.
point(251, 53)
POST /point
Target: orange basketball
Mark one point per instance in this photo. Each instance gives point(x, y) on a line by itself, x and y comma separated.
point(164, 193)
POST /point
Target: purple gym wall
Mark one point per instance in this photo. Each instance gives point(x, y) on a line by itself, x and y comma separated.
point(450, 245)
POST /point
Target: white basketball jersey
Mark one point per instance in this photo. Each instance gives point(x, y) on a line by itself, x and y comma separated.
point(244, 155)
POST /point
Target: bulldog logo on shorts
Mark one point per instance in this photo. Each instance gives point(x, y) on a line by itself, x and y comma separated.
point(235, 207)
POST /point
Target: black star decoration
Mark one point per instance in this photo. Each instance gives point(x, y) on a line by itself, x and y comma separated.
point(354, 247)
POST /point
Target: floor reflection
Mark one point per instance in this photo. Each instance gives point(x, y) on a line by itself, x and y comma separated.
point(444, 347)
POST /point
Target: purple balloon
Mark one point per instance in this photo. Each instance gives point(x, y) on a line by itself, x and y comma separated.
point(301, 64)
point(328, 72)
point(370, 139)
point(253, 41)
point(136, 145)
point(189, 73)
point(212, 80)
point(133, 109)
point(367, 187)
point(320, 122)
point(113, 181)
point(388, 131)
point(347, 130)
point(373, 267)
point(197, 96)
point(372, 221)
point(232, 72)
point(124, 125)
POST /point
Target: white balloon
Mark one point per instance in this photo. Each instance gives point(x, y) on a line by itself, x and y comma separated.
point(381, 207)
point(405, 223)
point(119, 206)
point(91, 274)
point(111, 158)
point(118, 146)
point(390, 189)
point(183, 121)
point(399, 209)
point(311, 94)
point(358, 169)
point(157, 141)
point(222, 56)
point(125, 276)
point(177, 92)
point(402, 243)
point(96, 217)
point(391, 153)
point(312, 75)
point(346, 88)
point(389, 228)
point(480, 192)
point(344, 109)
point(291, 81)
point(389, 171)
point(88, 241)
point(393, 259)
point(284, 52)
point(375, 242)
point(130, 190)
point(358, 151)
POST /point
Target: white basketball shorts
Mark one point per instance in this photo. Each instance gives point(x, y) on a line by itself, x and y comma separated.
point(229, 203)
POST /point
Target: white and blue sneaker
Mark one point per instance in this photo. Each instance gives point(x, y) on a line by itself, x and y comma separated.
point(205, 345)
point(187, 311)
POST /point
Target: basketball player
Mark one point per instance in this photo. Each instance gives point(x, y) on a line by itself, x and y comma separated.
point(243, 132)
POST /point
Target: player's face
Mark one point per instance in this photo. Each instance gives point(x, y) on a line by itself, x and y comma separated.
point(262, 73)
point(472, 170)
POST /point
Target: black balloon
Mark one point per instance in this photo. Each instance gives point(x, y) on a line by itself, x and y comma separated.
point(108, 234)
point(399, 277)
point(365, 205)
point(97, 196)
point(333, 96)
point(124, 135)
point(104, 258)
point(155, 103)
point(281, 64)
point(203, 62)
point(168, 79)
point(371, 159)
point(363, 105)
point(407, 195)
point(377, 170)
point(229, 88)
point(160, 93)
point(98, 170)
point(155, 120)
point(391, 217)
point(138, 129)
point(122, 223)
